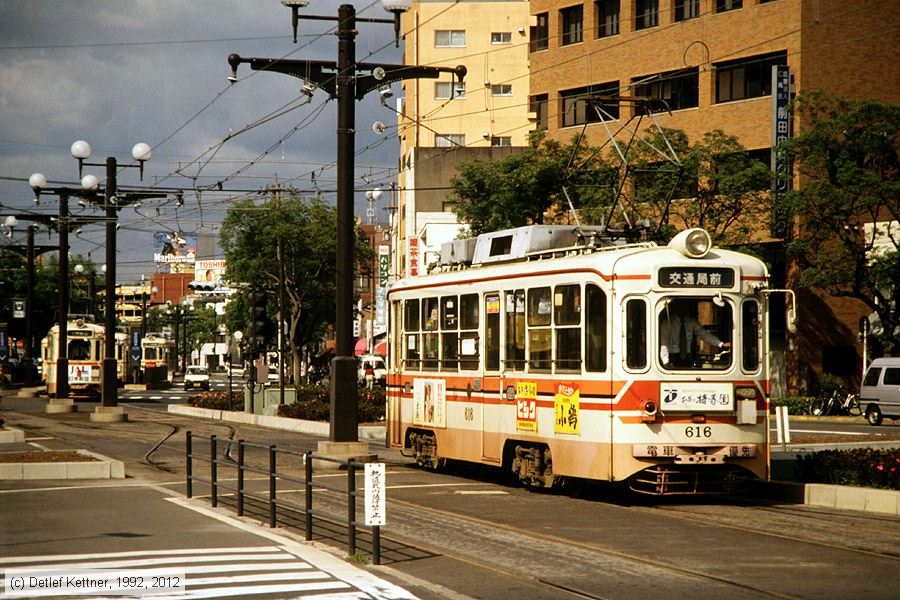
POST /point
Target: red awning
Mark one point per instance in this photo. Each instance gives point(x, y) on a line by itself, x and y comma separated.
point(381, 348)
point(361, 347)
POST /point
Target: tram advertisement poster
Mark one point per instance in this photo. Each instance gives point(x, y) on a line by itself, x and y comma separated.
point(566, 408)
point(686, 395)
point(79, 373)
point(430, 402)
point(526, 406)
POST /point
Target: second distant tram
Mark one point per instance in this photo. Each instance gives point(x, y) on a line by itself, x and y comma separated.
point(551, 352)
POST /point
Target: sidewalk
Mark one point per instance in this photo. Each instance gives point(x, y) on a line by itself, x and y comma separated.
point(136, 527)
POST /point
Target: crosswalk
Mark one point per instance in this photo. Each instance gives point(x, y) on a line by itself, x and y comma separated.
point(178, 393)
point(245, 572)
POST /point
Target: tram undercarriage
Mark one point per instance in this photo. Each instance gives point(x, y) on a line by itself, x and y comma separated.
point(675, 479)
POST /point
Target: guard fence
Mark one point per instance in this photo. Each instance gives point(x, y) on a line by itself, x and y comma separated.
point(219, 456)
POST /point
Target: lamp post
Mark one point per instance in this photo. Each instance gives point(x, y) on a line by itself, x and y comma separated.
point(81, 151)
point(343, 81)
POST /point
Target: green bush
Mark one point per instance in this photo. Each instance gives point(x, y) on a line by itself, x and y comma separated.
point(859, 466)
point(797, 405)
point(218, 400)
point(313, 403)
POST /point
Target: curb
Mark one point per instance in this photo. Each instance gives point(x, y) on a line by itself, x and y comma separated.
point(103, 468)
point(843, 497)
point(11, 435)
point(372, 433)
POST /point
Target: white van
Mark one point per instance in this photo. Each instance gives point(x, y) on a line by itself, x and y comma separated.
point(879, 395)
point(374, 362)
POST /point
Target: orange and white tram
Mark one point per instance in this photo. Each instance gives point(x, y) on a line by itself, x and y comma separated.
point(85, 357)
point(158, 355)
point(555, 353)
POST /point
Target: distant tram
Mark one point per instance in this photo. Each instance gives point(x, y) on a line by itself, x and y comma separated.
point(157, 357)
point(560, 355)
point(85, 351)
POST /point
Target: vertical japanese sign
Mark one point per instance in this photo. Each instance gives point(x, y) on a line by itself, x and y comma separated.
point(135, 347)
point(566, 409)
point(526, 406)
point(384, 269)
point(4, 346)
point(781, 131)
point(413, 257)
point(374, 495)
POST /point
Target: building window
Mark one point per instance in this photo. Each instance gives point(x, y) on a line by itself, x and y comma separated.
point(539, 104)
point(501, 37)
point(749, 77)
point(445, 90)
point(646, 14)
point(607, 17)
point(687, 9)
point(726, 5)
point(501, 89)
point(501, 141)
point(575, 110)
point(540, 33)
point(450, 38)
point(572, 25)
point(449, 140)
point(679, 89)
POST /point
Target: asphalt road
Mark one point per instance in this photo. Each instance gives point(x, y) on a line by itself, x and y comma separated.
point(469, 532)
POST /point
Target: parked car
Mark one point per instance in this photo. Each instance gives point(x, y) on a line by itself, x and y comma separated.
point(196, 378)
point(273, 374)
point(375, 364)
point(879, 395)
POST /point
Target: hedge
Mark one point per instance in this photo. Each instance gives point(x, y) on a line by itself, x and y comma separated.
point(859, 466)
point(218, 400)
point(313, 403)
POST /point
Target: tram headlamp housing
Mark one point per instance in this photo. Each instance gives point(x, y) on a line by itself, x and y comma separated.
point(693, 243)
point(649, 410)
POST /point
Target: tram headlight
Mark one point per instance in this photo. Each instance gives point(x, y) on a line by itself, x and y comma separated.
point(693, 243)
point(649, 410)
point(745, 392)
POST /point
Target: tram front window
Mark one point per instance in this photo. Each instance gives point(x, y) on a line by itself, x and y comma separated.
point(695, 333)
point(150, 353)
point(79, 350)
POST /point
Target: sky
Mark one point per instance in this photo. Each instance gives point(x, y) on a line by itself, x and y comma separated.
point(118, 72)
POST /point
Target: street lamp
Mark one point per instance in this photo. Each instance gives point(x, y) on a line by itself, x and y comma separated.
point(345, 80)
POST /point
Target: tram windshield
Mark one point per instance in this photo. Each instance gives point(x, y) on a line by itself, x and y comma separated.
point(150, 353)
point(695, 333)
point(79, 350)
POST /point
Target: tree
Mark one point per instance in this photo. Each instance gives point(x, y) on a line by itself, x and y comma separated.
point(525, 187)
point(719, 187)
point(848, 158)
point(306, 231)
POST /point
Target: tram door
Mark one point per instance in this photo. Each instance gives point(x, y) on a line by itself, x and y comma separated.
point(492, 384)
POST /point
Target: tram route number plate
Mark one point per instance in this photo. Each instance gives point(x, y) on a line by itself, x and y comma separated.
point(693, 396)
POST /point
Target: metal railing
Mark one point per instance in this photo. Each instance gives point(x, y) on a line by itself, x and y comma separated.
point(216, 459)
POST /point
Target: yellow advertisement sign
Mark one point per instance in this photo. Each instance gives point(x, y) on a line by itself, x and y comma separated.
point(526, 406)
point(566, 410)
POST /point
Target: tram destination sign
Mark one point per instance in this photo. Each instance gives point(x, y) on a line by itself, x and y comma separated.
point(696, 277)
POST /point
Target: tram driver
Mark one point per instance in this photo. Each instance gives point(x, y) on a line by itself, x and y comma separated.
point(677, 330)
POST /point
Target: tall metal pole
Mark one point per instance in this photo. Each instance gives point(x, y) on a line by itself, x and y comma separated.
point(110, 393)
point(62, 356)
point(281, 304)
point(29, 305)
point(344, 409)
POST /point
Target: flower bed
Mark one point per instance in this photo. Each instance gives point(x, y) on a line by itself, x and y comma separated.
point(859, 466)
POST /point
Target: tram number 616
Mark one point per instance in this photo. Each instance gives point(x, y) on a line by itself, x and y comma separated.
point(698, 431)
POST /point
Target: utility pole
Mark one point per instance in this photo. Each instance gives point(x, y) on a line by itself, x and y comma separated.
point(346, 81)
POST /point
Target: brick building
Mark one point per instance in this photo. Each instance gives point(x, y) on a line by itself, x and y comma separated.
point(711, 61)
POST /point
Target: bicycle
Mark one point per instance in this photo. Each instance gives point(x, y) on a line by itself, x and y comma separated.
point(838, 402)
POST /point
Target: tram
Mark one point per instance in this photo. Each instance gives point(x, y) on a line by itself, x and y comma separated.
point(157, 358)
point(85, 350)
point(552, 351)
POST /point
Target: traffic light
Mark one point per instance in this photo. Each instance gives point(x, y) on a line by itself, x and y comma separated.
point(260, 326)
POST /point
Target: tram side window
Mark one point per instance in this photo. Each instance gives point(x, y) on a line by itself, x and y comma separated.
point(468, 334)
point(595, 329)
point(449, 333)
point(411, 328)
point(79, 350)
point(430, 351)
point(539, 332)
point(750, 335)
point(492, 332)
point(636, 334)
point(515, 330)
point(567, 318)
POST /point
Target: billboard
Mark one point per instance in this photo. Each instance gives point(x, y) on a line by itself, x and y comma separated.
point(210, 275)
point(172, 247)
